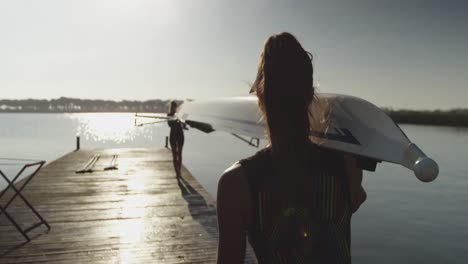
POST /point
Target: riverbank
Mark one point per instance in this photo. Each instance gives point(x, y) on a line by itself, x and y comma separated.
point(454, 117)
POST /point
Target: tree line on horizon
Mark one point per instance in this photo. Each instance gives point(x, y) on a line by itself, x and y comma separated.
point(453, 117)
point(74, 105)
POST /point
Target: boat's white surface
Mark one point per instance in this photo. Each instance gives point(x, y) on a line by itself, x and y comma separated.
point(340, 122)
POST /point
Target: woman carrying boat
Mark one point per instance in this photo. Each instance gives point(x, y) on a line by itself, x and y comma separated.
point(176, 138)
point(293, 200)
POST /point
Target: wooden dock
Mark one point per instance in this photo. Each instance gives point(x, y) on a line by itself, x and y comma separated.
point(139, 213)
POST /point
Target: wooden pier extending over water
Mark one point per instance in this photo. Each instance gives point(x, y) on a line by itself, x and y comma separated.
point(139, 213)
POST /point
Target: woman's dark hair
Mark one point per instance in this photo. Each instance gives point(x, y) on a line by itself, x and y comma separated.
point(172, 107)
point(284, 87)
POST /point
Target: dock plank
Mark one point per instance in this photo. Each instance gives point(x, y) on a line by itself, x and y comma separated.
point(139, 213)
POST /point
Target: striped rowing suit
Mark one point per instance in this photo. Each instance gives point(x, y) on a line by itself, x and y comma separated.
point(314, 231)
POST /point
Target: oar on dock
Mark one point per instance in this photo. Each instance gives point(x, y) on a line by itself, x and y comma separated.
point(88, 168)
point(113, 163)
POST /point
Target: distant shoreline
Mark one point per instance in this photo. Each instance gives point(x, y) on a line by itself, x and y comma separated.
point(412, 117)
point(78, 112)
point(453, 117)
point(75, 105)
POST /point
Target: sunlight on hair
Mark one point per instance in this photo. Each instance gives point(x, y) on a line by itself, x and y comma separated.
point(319, 114)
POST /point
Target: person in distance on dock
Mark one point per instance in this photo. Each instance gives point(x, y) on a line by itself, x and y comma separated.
point(292, 200)
point(176, 138)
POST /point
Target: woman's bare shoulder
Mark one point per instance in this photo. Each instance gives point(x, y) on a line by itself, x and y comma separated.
point(233, 198)
point(233, 177)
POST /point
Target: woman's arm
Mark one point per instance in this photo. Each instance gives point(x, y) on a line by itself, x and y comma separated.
point(354, 174)
point(231, 210)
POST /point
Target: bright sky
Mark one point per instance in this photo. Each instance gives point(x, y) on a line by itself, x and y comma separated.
point(395, 53)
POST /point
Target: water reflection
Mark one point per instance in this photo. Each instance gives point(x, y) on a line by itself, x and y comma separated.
point(109, 127)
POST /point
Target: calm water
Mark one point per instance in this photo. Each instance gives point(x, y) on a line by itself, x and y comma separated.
point(403, 221)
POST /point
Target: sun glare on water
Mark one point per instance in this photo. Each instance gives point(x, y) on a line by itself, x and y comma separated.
point(108, 127)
